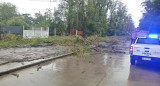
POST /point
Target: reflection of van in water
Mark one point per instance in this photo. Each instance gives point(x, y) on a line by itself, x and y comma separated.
point(144, 75)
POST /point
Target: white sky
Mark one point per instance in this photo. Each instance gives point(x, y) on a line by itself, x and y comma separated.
point(33, 6)
point(135, 9)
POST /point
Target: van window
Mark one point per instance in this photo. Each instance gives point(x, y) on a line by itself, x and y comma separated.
point(148, 41)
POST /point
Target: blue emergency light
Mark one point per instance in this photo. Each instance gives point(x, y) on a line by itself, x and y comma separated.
point(153, 36)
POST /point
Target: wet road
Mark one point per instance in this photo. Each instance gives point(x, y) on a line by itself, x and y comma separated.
point(109, 69)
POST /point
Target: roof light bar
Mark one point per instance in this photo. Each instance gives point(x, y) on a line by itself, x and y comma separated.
point(153, 36)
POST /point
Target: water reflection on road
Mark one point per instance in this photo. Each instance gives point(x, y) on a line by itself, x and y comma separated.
point(109, 69)
point(146, 74)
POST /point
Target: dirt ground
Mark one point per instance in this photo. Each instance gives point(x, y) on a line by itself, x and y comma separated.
point(30, 53)
point(20, 54)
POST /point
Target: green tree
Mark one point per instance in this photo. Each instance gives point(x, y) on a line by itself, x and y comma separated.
point(120, 21)
point(28, 18)
point(7, 11)
point(45, 20)
point(17, 21)
point(9, 16)
point(151, 16)
point(101, 17)
point(59, 23)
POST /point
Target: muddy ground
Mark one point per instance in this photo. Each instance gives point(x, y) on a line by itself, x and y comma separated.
point(27, 53)
point(30, 53)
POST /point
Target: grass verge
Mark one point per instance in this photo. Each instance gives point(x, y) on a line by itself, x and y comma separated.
point(81, 46)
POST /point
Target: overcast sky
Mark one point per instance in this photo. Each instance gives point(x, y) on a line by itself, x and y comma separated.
point(33, 6)
point(135, 9)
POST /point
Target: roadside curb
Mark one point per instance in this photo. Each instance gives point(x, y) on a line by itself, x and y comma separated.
point(33, 64)
point(5, 63)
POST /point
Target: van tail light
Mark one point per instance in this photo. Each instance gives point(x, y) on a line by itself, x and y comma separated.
point(131, 50)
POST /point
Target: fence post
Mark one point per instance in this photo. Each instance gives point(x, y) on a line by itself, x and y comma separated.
point(23, 32)
point(34, 32)
point(54, 31)
point(41, 33)
point(48, 32)
point(76, 32)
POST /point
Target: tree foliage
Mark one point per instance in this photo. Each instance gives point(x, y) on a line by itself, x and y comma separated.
point(101, 17)
point(93, 17)
point(151, 16)
point(17, 21)
point(10, 17)
point(7, 11)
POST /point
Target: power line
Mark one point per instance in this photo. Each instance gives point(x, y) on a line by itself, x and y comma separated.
point(46, 0)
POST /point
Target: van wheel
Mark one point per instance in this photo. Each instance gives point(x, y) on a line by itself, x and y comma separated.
point(133, 61)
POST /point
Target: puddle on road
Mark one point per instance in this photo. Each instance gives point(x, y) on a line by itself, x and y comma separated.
point(99, 70)
point(70, 71)
point(117, 71)
point(144, 75)
point(49, 67)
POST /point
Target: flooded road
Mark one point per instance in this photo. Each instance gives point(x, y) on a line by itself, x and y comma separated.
point(108, 69)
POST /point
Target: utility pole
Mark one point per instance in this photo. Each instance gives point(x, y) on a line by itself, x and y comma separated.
point(116, 26)
point(77, 20)
point(115, 30)
point(55, 23)
point(55, 31)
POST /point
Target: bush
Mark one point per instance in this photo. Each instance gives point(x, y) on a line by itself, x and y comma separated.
point(35, 42)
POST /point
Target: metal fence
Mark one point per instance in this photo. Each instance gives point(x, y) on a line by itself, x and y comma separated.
point(42, 32)
point(36, 32)
point(11, 29)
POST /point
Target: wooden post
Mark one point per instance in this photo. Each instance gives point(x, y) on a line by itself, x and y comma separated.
point(23, 32)
point(41, 33)
point(55, 32)
point(76, 32)
point(48, 33)
point(55, 24)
